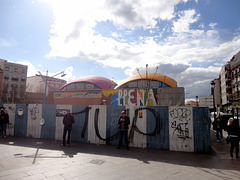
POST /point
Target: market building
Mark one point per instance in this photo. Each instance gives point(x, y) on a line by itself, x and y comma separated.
point(142, 89)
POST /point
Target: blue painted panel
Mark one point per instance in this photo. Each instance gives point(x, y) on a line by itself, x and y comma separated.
point(161, 139)
point(20, 125)
point(201, 130)
point(49, 115)
point(114, 99)
point(79, 130)
point(113, 114)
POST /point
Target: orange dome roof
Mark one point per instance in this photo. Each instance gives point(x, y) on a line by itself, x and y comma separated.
point(151, 76)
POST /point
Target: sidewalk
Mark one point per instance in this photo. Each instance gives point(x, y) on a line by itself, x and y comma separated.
point(221, 148)
point(29, 158)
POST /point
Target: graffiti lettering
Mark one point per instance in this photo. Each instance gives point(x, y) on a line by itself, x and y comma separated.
point(180, 124)
point(33, 112)
point(96, 115)
point(86, 111)
point(137, 97)
point(10, 126)
point(181, 114)
point(11, 109)
point(181, 129)
point(156, 130)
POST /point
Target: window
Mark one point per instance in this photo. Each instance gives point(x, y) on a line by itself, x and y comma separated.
point(14, 85)
point(89, 86)
point(132, 84)
point(15, 69)
point(23, 79)
point(7, 68)
point(6, 77)
point(79, 86)
point(52, 86)
point(15, 78)
point(71, 87)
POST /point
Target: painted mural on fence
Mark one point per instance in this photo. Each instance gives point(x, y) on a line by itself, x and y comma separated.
point(134, 97)
point(181, 129)
point(154, 127)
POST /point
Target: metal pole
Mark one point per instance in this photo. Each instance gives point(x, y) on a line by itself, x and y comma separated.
point(45, 95)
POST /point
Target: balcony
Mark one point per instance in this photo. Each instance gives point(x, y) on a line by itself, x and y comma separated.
point(227, 67)
point(236, 95)
point(229, 87)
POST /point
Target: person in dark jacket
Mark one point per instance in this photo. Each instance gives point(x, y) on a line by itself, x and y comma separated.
point(4, 120)
point(234, 132)
point(218, 126)
point(68, 120)
point(123, 122)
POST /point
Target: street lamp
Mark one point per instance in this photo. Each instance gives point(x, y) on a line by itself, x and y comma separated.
point(46, 81)
point(212, 92)
point(197, 101)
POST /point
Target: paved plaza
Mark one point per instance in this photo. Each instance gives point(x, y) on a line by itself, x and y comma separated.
point(29, 158)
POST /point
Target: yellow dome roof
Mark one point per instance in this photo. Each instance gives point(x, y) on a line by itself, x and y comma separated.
point(151, 76)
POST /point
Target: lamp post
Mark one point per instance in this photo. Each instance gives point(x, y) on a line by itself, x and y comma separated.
point(46, 82)
point(212, 89)
point(212, 92)
point(197, 101)
point(45, 92)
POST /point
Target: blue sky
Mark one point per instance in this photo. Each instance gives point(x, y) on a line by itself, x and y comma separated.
point(188, 40)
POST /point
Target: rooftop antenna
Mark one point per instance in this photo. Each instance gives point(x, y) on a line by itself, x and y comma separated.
point(148, 81)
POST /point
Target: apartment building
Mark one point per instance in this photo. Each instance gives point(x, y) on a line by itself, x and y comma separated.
point(13, 82)
point(229, 84)
point(36, 87)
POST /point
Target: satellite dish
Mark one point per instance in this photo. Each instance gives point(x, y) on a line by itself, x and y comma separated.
point(42, 122)
point(20, 112)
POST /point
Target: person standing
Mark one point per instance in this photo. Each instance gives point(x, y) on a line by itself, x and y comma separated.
point(68, 120)
point(4, 120)
point(234, 134)
point(123, 127)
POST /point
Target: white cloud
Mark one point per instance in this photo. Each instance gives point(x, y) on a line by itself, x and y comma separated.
point(212, 25)
point(32, 70)
point(187, 18)
point(73, 35)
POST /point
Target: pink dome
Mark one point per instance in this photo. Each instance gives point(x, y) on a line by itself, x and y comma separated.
point(101, 82)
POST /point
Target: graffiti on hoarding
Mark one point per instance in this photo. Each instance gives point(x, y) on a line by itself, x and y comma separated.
point(34, 110)
point(181, 118)
point(134, 127)
point(10, 126)
point(136, 97)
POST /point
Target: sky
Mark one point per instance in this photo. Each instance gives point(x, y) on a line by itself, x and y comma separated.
point(187, 40)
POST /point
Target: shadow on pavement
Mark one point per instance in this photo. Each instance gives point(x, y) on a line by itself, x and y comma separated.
point(197, 160)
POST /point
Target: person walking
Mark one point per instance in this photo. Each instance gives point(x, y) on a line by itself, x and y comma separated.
point(123, 122)
point(4, 120)
point(217, 125)
point(68, 120)
point(234, 134)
